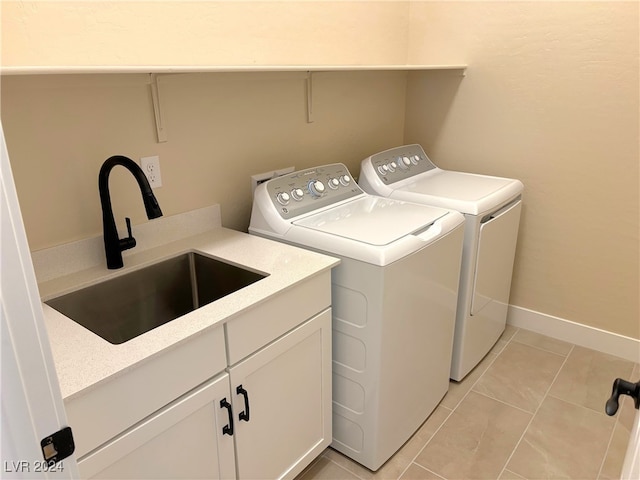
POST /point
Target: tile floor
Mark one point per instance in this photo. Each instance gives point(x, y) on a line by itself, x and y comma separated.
point(532, 409)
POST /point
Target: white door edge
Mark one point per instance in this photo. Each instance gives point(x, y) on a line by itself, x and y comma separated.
point(631, 466)
point(32, 406)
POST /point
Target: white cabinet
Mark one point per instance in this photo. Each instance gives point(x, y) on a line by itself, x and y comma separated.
point(267, 415)
point(114, 406)
point(282, 402)
point(183, 440)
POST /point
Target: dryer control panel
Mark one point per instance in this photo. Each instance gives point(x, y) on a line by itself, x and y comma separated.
point(308, 190)
point(399, 163)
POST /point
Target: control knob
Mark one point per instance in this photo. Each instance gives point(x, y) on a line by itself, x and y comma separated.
point(403, 162)
point(345, 180)
point(334, 183)
point(316, 188)
point(297, 194)
point(283, 198)
point(383, 169)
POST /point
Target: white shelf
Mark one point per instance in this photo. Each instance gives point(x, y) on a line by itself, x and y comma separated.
point(155, 70)
point(160, 69)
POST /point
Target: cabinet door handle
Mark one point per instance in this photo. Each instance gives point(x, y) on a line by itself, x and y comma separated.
point(227, 429)
point(245, 414)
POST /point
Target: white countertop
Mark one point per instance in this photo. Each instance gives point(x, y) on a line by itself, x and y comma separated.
point(84, 360)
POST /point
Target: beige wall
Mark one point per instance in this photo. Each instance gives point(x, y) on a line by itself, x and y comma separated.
point(97, 33)
point(551, 98)
point(221, 129)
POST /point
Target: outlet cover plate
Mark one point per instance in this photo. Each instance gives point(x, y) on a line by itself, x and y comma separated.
point(151, 168)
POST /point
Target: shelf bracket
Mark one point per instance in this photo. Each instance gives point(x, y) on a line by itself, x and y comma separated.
point(157, 112)
point(309, 85)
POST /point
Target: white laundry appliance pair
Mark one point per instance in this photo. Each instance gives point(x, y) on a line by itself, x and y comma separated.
point(394, 298)
point(491, 207)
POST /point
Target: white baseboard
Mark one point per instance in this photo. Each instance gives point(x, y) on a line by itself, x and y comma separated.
point(576, 333)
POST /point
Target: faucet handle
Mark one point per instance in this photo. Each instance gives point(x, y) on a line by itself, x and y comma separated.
point(129, 241)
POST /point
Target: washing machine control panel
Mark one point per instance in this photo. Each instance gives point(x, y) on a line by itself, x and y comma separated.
point(307, 190)
point(401, 162)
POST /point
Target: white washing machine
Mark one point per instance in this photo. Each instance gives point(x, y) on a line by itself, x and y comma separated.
point(393, 300)
point(491, 206)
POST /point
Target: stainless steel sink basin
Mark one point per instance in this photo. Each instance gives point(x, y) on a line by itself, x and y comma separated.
point(124, 307)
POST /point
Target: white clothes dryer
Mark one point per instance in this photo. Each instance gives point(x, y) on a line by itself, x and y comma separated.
point(392, 337)
point(491, 206)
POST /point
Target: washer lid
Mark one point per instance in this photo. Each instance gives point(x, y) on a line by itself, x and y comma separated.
point(461, 186)
point(465, 192)
point(372, 220)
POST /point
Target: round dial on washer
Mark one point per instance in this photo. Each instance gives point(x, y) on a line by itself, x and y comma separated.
point(297, 194)
point(403, 162)
point(383, 169)
point(415, 159)
point(334, 183)
point(392, 166)
point(316, 188)
point(283, 198)
point(345, 180)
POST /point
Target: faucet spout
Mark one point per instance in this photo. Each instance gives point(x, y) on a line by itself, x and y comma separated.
point(113, 245)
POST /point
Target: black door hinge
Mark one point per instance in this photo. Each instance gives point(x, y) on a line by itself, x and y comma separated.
point(58, 446)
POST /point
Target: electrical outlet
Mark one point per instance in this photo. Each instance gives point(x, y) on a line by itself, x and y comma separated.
point(259, 178)
point(151, 168)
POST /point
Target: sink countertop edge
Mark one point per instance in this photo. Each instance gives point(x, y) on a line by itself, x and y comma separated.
point(83, 360)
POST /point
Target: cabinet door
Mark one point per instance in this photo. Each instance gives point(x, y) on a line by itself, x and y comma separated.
point(183, 440)
point(285, 391)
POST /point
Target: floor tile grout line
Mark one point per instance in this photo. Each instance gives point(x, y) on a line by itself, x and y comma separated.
point(413, 460)
point(310, 466)
point(485, 371)
point(424, 468)
point(346, 470)
point(544, 397)
point(505, 403)
point(589, 409)
point(457, 405)
point(512, 473)
point(613, 431)
point(544, 349)
point(606, 452)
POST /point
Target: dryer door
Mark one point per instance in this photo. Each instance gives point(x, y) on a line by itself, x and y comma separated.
point(494, 262)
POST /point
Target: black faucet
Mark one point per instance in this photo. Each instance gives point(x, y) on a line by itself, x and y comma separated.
point(113, 246)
